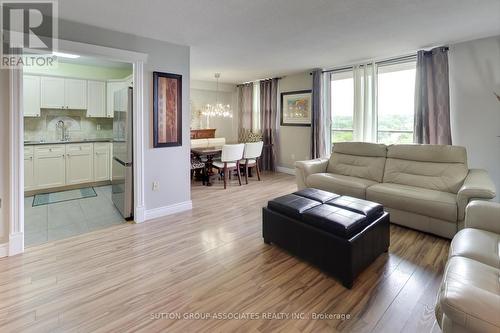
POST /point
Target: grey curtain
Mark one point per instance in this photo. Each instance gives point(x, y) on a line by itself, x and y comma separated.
point(319, 121)
point(269, 122)
point(245, 108)
point(432, 98)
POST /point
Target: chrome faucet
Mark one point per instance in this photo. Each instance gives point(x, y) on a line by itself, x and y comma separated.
point(60, 124)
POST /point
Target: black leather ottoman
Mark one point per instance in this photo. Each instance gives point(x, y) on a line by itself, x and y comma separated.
point(341, 235)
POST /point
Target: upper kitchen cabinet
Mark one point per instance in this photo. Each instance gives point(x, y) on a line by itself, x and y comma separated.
point(111, 88)
point(96, 99)
point(31, 96)
point(61, 93)
point(75, 94)
point(52, 92)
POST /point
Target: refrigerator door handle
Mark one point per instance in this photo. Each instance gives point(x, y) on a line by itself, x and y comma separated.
point(125, 164)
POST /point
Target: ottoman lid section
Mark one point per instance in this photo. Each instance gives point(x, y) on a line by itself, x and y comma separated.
point(317, 195)
point(341, 222)
point(292, 205)
point(366, 208)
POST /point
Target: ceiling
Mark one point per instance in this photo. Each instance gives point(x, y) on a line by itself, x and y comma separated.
point(250, 39)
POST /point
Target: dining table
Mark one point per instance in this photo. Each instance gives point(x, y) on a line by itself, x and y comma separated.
point(209, 153)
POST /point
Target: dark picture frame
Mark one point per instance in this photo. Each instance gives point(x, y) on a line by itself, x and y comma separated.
point(299, 95)
point(167, 110)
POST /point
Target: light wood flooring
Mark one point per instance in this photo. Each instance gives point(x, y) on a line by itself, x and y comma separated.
point(129, 278)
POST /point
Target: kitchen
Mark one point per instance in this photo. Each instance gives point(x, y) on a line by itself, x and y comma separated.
point(77, 147)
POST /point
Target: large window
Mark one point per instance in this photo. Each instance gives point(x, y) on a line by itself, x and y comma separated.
point(396, 91)
point(373, 103)
point(342, 106)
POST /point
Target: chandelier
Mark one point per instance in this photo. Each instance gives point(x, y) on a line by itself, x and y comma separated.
point(218, 110)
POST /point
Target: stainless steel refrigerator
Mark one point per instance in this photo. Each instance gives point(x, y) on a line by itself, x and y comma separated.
point(123, 157)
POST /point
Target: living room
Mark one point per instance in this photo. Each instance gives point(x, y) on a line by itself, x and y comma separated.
point(351, 153)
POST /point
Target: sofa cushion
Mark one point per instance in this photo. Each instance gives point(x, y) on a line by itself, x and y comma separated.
point(470, 295)
point(435, 167)
point(479, 245)
point(358, 159)
point(361, 149)
point(344, 185)
point(437, 204)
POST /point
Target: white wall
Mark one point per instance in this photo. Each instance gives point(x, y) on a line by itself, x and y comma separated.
point(475, 111)
point(204, 92)
point(169, 166)
point(294, 141)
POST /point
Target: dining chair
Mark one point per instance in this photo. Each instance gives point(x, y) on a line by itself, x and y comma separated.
point(198, 164)
point(230, 160)
point(251, 156)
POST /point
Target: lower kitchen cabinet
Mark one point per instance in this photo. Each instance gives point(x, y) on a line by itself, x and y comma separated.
point(29, 168)
point(101, 162)
point(50, 166)
point(79, 163)
point(59, 165)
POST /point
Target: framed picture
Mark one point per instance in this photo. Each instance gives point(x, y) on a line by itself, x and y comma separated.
point(296, 108)
point(167, 110)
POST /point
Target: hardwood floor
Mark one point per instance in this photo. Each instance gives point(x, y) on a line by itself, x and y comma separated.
point(213, 260)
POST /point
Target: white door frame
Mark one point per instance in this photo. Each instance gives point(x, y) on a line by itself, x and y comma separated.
point(16, 188)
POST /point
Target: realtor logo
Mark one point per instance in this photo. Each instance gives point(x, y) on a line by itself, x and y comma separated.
point(29, 31)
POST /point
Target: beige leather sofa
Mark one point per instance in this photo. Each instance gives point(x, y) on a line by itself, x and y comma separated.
point(469, 297)
point(424, 187)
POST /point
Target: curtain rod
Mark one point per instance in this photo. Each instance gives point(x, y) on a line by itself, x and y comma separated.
point(242, 84)
point(380, 62)
point(384, 61)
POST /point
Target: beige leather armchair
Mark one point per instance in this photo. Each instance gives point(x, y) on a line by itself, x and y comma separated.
point(469, 297)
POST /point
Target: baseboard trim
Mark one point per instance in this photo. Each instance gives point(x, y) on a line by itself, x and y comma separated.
point(155, 213)
point(289, 171)
point(4, 250)
point(16, 243)
point(139, 215)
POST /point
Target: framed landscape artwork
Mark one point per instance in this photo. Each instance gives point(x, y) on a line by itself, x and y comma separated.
point(296, 108)
point(167, 110)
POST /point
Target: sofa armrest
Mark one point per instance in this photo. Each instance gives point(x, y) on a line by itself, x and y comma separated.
point(483, 215)
point(469, 307)
point(477, 185)
point(305, 168)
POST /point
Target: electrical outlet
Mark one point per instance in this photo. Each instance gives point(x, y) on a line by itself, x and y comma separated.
point(156, 186)
point(98, 127)
point(292, 156)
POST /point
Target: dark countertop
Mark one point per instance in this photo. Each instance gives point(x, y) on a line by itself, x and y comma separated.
point(37, 143)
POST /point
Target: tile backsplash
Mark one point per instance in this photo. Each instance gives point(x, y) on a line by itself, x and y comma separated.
point(77, 125)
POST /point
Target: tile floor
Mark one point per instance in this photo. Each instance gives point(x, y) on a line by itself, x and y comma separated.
point(65, 219)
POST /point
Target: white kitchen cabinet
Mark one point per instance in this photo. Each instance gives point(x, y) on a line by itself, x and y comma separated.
point(75, 94)
point(50, 166)
point(31, 96)
point(79, 163)
point(111, 88)
point(29, 168)
point(63, 93)
point(111, 161)
point(52, 92)
point(96, 99)
point(101, 161)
